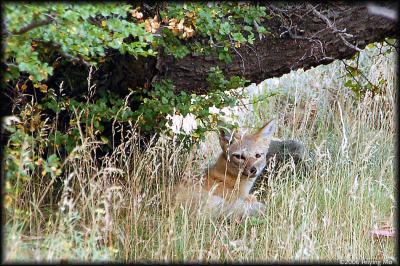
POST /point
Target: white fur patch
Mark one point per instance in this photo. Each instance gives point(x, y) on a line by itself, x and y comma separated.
point(244, 208)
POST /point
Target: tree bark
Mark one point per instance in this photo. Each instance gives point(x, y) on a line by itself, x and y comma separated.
point(303, 36)
point(308, 42)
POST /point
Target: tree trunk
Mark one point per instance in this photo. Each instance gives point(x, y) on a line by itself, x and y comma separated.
point(303, 36)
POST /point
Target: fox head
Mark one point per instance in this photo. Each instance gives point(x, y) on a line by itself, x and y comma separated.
point(246, 155)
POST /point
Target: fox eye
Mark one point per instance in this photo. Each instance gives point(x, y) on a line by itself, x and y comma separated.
point(258, 155)
point(238, 156)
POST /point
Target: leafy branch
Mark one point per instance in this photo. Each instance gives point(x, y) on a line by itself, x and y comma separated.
point(32, 25)
point(358, 88)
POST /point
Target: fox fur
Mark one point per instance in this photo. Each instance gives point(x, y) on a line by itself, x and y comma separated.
point(225, 188)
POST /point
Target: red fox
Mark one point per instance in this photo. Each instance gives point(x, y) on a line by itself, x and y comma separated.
point(225, 187)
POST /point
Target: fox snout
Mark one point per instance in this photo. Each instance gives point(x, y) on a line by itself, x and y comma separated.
point(250, 173)
point(249, 170)
point(248, 164)
point(253, 170)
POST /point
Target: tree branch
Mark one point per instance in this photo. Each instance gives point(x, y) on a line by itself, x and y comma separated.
point(72, 58)
point(32, 25)
point(341, 33)
point(75, 59)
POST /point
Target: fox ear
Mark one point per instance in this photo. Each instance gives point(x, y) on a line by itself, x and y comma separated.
point(226, 139)
point(223, 139)
point(267, 130)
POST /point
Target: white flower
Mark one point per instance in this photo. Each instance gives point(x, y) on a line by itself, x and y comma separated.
point(182, 125)
point(213, 110)
point(189, 123)
point(176, 125)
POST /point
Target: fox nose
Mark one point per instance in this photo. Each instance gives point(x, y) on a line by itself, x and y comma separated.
point(253, 170)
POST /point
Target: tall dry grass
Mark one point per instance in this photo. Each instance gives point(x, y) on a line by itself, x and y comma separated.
point(122, 209)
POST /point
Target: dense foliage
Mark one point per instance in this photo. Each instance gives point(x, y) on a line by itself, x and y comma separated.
point(70, 30)
point(40, 37)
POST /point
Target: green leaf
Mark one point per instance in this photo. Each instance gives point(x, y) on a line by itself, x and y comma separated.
point(248, 28)
point(348, 83)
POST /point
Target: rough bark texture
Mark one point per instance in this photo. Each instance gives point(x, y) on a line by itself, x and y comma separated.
point(308, 42)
